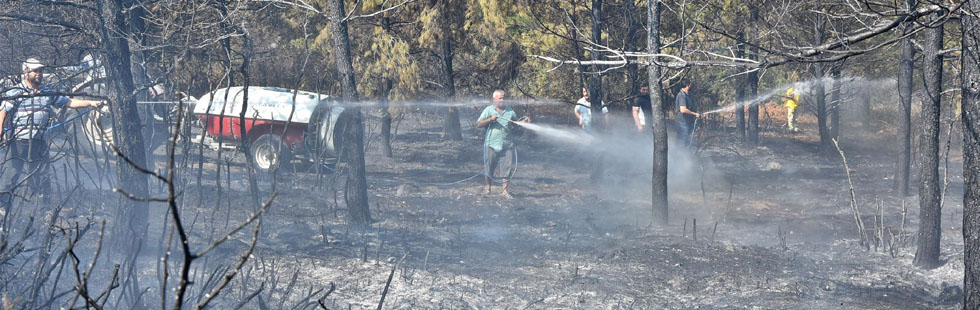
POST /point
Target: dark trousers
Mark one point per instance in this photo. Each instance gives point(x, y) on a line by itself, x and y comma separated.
point(24, 166)
point(493, 158)
point(683, 131)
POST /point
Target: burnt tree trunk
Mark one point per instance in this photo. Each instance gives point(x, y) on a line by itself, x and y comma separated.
point(752, 81)
point(132, 215)
point(137, 25)
point(927, 242)
point(820, 97)
point(835, 103)
point(658, 117)
point(385, 90)
point(451, 129)
point(253, 183)
point(355, 191)
point(740, 91)
point(152, 135)
point(819, 92)
point(866, 109)
point(970, 101)
point(595, 87)
point(632, 69)
point(903, 135)
point(595, 79)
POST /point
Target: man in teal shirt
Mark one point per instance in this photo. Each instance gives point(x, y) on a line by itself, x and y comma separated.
point(498, 143)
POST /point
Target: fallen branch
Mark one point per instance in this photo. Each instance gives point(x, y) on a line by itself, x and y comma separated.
point(388, 283)
point(854, 207)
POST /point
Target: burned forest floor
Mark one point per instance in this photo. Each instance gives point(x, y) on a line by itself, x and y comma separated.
point(765, 227)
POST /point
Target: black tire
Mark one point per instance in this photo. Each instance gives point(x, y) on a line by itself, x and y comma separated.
point(269, 152)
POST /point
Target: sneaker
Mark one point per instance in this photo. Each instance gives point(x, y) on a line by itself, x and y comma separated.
point(507, 195)
point(486, 191)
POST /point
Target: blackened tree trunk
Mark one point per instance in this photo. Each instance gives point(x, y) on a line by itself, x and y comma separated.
point(253, 183)
point(451, 129)
point(835, 103)
point(905, 68)
point(384, 91)
point(820, 97)
point(927, 243)
point(819, 92)
point(595, 79)
point(137, 25)
point(866, 108)
point(632, 69)
point(152, 137)
point(658, 117)
point(355, 192)
point(131, 215)
point(740, 91)
point(595, 87)
point(970, 101)
point(752, 81)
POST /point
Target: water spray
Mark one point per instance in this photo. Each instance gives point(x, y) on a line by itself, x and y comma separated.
point(804, 87)
point(576, 137)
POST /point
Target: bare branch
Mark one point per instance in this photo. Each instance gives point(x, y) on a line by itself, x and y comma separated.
point(382, 11)
point(227, 236)
point(39, 20)
point(234, 271)
point(138, 198)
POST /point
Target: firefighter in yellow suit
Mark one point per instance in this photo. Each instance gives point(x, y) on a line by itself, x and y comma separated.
point(791, 101)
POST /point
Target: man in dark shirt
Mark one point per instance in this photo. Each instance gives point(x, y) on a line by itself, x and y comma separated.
point(642, 110)
point(685, 113)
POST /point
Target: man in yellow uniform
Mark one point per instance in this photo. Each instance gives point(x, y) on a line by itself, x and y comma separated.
point(791, 100)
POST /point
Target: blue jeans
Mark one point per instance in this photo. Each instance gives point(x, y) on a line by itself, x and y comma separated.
point(683, 132)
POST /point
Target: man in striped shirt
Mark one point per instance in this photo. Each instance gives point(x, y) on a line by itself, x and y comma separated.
point(25, 115)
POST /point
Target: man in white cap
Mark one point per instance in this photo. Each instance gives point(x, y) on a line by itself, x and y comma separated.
point(29, 108)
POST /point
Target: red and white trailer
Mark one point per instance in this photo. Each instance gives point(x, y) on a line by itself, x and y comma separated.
point(279, 123)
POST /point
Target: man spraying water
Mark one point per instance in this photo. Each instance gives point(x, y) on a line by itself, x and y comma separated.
point(685, 113)
point(29, 108)
point(498, 142)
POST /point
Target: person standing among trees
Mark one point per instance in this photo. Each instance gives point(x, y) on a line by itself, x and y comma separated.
point(685, 113)
point(29, 108)
point(499, 143)
point(791, 101)
point(583, 110)
point(642, 109)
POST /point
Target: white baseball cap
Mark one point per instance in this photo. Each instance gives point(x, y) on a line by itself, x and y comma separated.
point(31, 64)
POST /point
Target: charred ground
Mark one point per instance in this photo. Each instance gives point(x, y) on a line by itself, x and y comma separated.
point(774, 230)
point(765, 227)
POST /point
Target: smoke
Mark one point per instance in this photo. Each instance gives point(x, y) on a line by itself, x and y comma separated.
point(626, 160)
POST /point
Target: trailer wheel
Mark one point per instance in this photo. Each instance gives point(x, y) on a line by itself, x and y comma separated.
point(268, 152)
